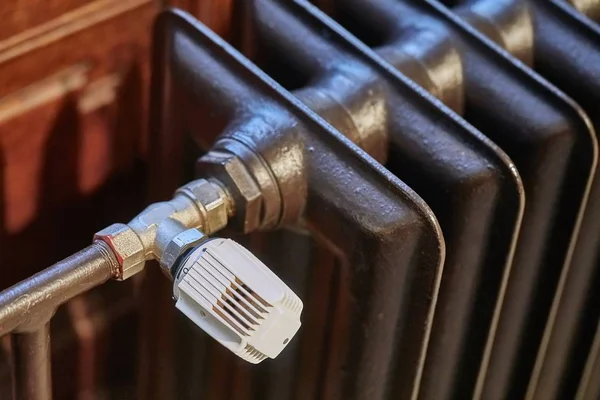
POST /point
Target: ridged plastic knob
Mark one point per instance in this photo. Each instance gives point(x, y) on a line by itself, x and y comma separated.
point(236, 299)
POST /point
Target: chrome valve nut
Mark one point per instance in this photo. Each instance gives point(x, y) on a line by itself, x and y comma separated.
point(246, 193)
point(212, 201)
point(127, 248)
point(178, 246)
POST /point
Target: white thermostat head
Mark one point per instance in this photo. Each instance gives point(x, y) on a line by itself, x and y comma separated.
point(236, 299)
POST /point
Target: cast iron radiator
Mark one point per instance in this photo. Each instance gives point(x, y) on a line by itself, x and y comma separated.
point(425, 180)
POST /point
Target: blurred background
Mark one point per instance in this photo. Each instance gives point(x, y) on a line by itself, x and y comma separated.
point(73, 109)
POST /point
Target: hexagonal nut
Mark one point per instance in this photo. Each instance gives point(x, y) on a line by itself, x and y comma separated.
point(178, 246)
point(212, 199)
point(231, 171)
point(127, 247)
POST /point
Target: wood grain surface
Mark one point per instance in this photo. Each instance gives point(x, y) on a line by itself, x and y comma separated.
point(74, 80)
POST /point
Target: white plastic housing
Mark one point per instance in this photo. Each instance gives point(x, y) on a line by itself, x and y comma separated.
point(237, 300)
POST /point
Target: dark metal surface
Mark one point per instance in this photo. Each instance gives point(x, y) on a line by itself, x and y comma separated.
point(589, 384)
point(537, 126)
point(567, 52)
point(470, 184)
point(31, 364)
point(590, 8)
point(388, 242)
point(575, 50)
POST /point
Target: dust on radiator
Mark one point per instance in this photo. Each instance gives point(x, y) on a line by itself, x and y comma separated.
point(425, 177)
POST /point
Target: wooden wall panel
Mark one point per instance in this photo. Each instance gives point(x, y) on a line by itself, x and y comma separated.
point(20, 15)
point(90, 34)
point(71, 120)
point(73, 92)
point(73, 109)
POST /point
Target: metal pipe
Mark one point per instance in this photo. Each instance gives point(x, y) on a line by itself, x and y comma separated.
point(27, 306)
point(31, 364)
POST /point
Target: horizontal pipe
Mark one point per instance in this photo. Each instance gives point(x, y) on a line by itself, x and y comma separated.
point(31, 365)
point(29, 305)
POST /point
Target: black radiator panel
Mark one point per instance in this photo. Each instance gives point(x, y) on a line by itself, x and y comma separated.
point(484, 110)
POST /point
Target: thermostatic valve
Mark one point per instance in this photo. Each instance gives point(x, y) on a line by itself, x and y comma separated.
point(236, 299)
